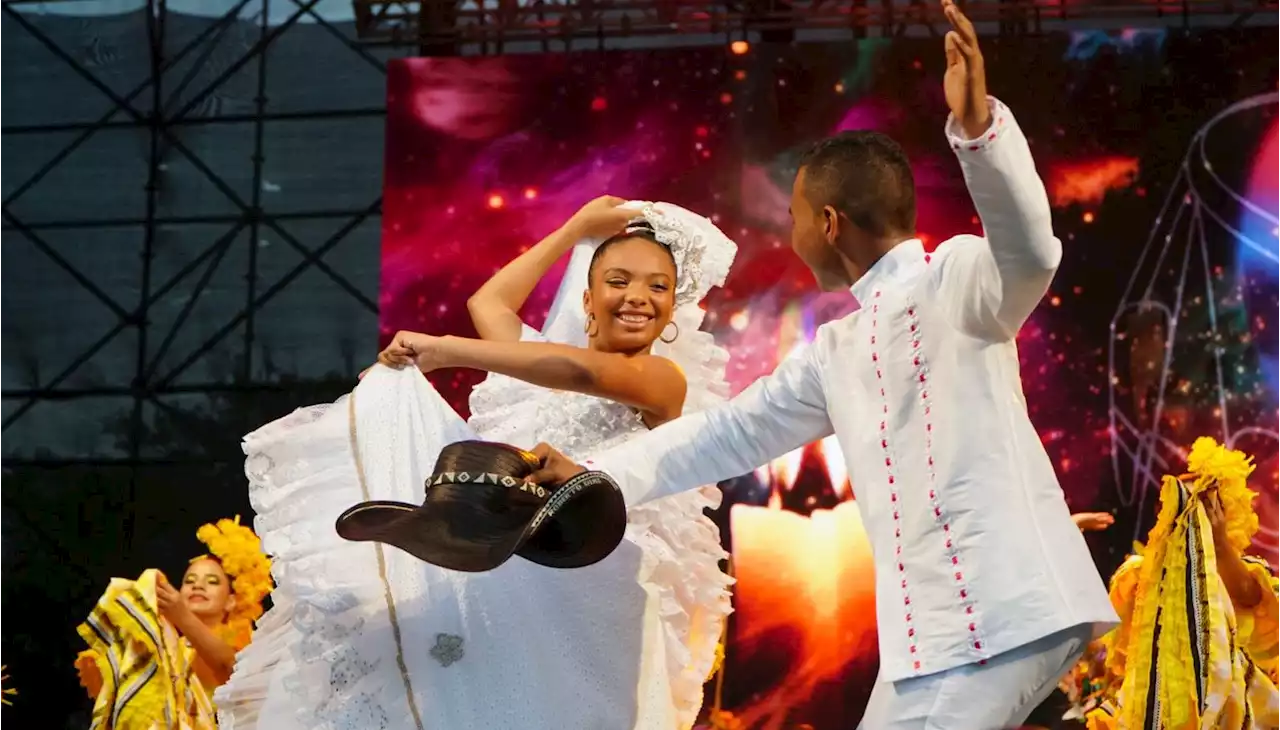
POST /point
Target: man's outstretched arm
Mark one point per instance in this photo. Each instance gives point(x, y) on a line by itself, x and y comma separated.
point(778, 413)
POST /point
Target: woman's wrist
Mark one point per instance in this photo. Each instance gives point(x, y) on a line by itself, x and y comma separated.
point(452, 351)
point(1221, 543)
point(183, 622)
point(570, 233)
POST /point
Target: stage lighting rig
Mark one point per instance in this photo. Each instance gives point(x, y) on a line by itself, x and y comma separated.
point(442, 27)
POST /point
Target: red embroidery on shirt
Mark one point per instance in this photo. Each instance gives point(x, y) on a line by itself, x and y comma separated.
point(941, 518)
point(887, 448)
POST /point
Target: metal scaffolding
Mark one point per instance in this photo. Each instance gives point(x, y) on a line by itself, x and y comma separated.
point(163, 109)
point(441, 25)
point(161, 118)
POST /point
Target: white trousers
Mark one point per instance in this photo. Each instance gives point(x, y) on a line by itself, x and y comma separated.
point(996, 695)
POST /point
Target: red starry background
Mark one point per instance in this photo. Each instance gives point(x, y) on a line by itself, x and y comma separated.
point(486, 155)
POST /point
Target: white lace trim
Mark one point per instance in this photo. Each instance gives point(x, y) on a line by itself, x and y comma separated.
point(693, 592)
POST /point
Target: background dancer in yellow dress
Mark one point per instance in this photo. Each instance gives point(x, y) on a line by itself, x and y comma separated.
point(156, 652)
point(1197, 643)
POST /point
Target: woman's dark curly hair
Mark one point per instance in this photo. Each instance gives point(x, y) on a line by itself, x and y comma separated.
point(640, 229)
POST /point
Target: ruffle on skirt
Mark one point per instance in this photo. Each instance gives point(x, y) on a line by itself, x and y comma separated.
point(329, 656)
point(681, 568)
point(312, 661)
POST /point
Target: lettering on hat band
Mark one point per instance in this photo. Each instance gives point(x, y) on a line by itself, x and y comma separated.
point(498, 480)
point(566, 492)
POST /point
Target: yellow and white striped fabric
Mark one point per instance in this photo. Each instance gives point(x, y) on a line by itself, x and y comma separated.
point(148, 678)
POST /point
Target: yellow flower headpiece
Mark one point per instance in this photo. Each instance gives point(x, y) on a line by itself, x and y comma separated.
point(1214, 465)
point(239, 551)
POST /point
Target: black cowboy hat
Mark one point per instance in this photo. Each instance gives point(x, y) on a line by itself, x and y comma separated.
point(480, 510)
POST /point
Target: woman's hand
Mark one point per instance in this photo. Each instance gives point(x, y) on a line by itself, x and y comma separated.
point(1217, 518)
point(414, 348)
point(171, 605)
point(1093, 521)
point(601, 218)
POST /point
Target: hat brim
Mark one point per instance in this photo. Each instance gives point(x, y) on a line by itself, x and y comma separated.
point(585, 522)
point(477, 527)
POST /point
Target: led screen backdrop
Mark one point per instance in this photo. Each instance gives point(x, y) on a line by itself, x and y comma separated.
point(1159, 154)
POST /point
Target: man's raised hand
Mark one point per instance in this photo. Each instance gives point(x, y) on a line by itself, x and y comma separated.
point(965, 81)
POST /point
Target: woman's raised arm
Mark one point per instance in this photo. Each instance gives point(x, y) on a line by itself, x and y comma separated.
point(495, 307)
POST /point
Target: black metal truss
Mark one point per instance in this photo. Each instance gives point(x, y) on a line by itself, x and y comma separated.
point(437, 24)
point(149, 383)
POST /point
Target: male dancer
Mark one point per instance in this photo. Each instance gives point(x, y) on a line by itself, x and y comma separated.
point(985, 591)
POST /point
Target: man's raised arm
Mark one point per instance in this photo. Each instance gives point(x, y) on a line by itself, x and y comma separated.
point(995, 284)
point(778, 413)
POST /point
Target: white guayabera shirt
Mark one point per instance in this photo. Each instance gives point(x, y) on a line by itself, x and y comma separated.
point(974, 546)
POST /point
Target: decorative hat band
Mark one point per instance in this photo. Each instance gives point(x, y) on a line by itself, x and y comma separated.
point(466, 477)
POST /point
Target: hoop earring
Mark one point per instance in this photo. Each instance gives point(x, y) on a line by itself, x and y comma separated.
point(673, 337)
point(586, 327)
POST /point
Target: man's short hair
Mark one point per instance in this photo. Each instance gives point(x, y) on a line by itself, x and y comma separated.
point(865, 176)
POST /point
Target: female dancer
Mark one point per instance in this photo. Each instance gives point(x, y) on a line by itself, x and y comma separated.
point(365, 636)
point(157, 652)
point(1197, 641)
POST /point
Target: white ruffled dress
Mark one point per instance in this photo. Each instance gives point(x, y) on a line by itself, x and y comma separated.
point(365, 637)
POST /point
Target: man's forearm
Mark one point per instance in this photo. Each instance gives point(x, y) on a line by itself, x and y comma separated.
point(776, 414)
point(646, 469)
point(1014, 208)
point(707, 448)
